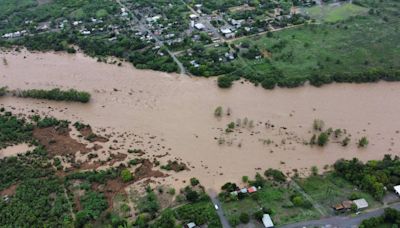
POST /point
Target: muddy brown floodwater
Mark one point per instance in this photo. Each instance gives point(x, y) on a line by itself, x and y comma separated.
point(178, 113)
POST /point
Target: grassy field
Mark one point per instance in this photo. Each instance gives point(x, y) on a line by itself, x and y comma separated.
point(329, 190)
point(334, 13)
point(275, 198)
point(351, 46)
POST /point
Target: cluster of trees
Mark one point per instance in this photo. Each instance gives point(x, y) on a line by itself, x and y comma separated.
point(56, 94)
point(390, 217)
point(372, 176)
point(13, 130)
point(39, 197)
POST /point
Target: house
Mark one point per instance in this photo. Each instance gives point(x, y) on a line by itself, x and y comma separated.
point(251, 189)
point(267, 221)
point(192, 16)
point(153, 19)
point(225, 31)
point(199, 26)
point(360, 203)
point(243, 190)
point(397, 189)
point(190, 225)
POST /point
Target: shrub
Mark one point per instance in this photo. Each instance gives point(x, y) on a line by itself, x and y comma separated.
point(363, 142)
point(3, 91)
point(224, 81)
point(218, 111)
point(126, 175)
point(268, 83)
point(323, 139)
point(318, 125)
point(194, 181)
point(277, 175)
point(244, 218)
point(245, 179)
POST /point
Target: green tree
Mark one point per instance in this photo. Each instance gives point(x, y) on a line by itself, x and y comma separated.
point(323, 139)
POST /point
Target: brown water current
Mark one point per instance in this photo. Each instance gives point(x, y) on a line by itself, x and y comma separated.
point(178, 112)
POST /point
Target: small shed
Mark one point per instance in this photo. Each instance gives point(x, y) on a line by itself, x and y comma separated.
point(267, 221)
point(251, 189)
point(360, 203)
point(397, 189)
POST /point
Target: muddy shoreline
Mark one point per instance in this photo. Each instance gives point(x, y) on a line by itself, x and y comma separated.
point(177, 114)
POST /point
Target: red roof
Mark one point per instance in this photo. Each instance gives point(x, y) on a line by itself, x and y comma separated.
point(252, 189)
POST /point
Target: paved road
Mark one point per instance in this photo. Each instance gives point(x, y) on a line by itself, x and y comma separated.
point(342, 221)
point(220, 212)
point(144, 28)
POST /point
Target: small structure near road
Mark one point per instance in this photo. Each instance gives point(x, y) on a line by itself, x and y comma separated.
point(267, 221)
point(344, 206)
point(360, 203)
point(397, 189)
point(190, 225)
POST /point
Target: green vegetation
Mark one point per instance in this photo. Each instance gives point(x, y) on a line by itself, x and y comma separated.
point(351, 49)
point(13, 130)
point(126, 175)
point(330, 189)
point(202, 212)
point(274, 198)
point(218, 111)
point(335, 13)
point(56, 94)
point(363, 142)
point(390, 218)
point(93, 204)
point(322, 139)
point(372, 176)
point(3, 91)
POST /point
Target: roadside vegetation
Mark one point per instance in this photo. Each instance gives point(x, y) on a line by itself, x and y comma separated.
point(390, 218)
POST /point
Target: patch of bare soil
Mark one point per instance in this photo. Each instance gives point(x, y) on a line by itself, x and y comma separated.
point(58, 141)
point(9, 191)
point(146, 171)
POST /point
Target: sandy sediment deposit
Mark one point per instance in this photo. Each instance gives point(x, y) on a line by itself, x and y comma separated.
point(171, 117)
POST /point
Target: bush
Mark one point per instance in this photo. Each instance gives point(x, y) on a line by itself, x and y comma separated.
point(194, 181)
point(126, 175)
point(363, 142)
point(268, 83)
point(218, 111)
point(277, 175)
point(225, 81)
point(244, 218)
point(3, 91)
point(323, 139)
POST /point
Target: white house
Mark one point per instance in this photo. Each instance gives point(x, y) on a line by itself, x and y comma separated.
point(267, 221)
point(361, 203)
point(199, 26)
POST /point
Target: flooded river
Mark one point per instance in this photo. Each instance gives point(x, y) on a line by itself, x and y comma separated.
point(179, 112)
